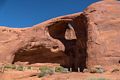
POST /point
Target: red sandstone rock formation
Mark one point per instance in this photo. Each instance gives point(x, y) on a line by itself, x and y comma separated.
point(78, 40)
point(103, 33)
point(35, 45)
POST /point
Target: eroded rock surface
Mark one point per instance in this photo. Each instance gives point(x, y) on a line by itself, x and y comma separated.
point(103, 33)
point(39, 44)
point(80, 40)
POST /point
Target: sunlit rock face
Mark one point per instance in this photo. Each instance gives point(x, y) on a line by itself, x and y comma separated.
point(39, 43)
point(79, 40)
point(103, 33)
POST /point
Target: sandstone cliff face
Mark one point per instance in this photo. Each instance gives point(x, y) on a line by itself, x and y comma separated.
point(39, 44)
point(103, 33)
point(78, 40)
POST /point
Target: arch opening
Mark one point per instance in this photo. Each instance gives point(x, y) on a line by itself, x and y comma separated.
point(73, 36)
point(75, 44)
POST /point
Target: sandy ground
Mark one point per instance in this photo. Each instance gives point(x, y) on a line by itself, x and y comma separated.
point(29, 75)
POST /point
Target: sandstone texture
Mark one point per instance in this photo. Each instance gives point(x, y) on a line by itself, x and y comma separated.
point(103, 33)
point(82, 39)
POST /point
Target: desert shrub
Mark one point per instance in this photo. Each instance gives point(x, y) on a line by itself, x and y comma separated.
point(20, 68)
point(42, 74)
point(44, 68)
point(29, 67)
point(61, 69)
point(97, 79)
point(45, 71)
point(97, 69)
point(13, 67)
point(10, 66)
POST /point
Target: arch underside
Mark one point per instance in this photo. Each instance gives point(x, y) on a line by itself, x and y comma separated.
point(69, 34)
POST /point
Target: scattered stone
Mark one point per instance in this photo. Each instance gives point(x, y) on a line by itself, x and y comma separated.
point(85, 71)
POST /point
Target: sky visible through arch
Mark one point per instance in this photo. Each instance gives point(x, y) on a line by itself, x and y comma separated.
point(26, 13)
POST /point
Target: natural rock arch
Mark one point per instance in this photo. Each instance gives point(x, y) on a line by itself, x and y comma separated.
point(96, 43)
point(60, 33)
point(76, 47)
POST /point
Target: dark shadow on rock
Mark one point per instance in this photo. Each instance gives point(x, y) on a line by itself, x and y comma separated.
point(80, 26)
point(39, 54)
point(75, 49)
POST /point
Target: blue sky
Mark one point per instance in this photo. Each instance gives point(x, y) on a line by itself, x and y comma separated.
point(26, 13)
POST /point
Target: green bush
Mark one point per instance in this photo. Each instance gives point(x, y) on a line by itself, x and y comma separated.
point(29, 67)
point(20, 68)
point(42, 74)
point(45, 71)
point(61, 69)
point(13, 67)
point(10, 66)
point(43, 68)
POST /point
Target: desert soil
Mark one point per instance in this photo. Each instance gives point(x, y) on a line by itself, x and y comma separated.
point(30, 75)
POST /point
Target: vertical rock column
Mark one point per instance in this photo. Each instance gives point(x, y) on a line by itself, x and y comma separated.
point(80, 26)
